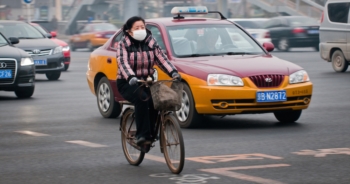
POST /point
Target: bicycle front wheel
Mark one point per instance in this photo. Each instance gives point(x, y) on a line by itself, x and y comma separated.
point(173, 144)
point(128, 129)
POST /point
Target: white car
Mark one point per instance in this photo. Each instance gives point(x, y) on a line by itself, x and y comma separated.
point(254, 27)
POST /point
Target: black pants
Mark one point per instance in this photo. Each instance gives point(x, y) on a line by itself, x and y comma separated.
point(144, 110)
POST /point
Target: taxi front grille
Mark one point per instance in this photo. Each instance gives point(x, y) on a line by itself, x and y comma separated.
point(246, 104)
point(267, 81)
point(8, 64)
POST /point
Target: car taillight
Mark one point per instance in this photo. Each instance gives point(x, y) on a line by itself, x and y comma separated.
point(298, 30)
point(322, 17)
point(267, 35)
point(98, 35)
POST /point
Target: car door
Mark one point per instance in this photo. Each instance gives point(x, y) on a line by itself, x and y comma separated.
point(159, 37)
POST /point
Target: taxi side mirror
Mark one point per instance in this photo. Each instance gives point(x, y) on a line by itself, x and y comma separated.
point(53, 34)
point(268, 46)
point(14, 40)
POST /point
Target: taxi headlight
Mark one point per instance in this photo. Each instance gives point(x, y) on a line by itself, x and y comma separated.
point(57, 50)
point(298, 77)
point(224, 80)
point(27, 61)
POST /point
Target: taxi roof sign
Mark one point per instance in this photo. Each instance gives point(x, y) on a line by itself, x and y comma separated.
point(189, 10)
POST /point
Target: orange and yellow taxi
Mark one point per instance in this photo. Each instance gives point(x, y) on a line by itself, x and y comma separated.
point(92, 35)
point(221, 77)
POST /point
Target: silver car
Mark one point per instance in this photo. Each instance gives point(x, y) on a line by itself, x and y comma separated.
point(335, 34)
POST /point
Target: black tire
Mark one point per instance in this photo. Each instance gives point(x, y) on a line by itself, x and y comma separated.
point(187, 116)
point(106, 104)
point(53, 75)
point(283, 45)
point(172, 141)
point(288, 116)
point(90, 46)
point(339, 63)
point(133, 156)
point(66, 66)
point(25, 92)
point(317, 48)
point(72, 47)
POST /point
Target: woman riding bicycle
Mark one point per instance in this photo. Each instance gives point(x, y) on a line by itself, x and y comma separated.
point(137, 53)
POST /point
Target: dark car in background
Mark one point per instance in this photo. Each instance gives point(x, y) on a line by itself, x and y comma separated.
point(17, 71)
point(65, 46)
point(47, 55)
point(293, 31)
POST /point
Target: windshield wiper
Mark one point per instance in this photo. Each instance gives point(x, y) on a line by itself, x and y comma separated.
point(237, 53)
point(194, 55)
point(3, 44)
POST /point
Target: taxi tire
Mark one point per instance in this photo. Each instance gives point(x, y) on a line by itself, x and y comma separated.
point(339, 59)
point(26, 92)
point(90, 46)
point(72, 47)
point(193, 120)
point(115, 108)
point(53, 75)
point(288, 116)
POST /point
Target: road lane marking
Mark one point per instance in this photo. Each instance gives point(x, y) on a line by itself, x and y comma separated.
point(229, 158)
point(324, 152)
point(228, 171)
point(32, 133)
point(155, 158)
point(88, 144)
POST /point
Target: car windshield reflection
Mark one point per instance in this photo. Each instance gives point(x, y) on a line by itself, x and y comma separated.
point(210, 40)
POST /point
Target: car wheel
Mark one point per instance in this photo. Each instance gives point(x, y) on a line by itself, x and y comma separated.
point(53, 75)
point(107, 106)
point(283, 44)
point(187, 115)
point(26, 92)
point(288, 116)
point(339, 62)
point(72, 47)
point(66, 66)
point(90, 46)
point(317, 48)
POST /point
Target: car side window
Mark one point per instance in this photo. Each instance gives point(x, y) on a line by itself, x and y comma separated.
point(157, 35)
point(273, 23)
point(338, 12)
point(116, 39)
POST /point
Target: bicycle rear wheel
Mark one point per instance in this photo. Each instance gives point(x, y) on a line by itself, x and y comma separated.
point(173, 144)
point(128, 128)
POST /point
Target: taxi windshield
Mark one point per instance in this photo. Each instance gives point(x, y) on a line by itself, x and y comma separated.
point(20, 30)
point(208, 40)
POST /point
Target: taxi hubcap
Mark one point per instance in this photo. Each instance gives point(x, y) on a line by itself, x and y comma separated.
point(338, 61)
point(104, 98)
point(183, 113)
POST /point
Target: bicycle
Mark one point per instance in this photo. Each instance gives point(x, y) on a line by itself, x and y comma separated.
point(166, 129)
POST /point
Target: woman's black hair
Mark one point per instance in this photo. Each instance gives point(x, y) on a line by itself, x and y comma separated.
point(130, 22)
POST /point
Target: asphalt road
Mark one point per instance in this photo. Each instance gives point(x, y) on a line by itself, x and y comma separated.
point(235, 149)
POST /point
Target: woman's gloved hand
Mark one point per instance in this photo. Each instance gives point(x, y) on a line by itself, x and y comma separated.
point(133, 81)
point(176, 76)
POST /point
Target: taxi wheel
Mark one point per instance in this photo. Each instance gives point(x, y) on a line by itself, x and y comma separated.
point(53, 75)
point(339, 62)
point(187, 115)
point(72, 47)
point(288, 116)
point(283, 44)
point(90, 46)
point(107, 106)
point(26, 92)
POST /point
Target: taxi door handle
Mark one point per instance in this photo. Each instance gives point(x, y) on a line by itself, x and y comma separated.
point(109, 60)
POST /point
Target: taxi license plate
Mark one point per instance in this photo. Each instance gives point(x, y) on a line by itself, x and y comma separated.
point(5, 74)
point(271, 96)
point(40, 62)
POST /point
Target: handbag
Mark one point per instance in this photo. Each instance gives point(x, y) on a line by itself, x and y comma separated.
point(167, 98)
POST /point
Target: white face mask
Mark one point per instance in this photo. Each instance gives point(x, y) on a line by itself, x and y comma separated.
point(139, 34)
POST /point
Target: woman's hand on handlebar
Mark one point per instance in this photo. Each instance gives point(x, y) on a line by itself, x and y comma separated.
point(133, 81)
